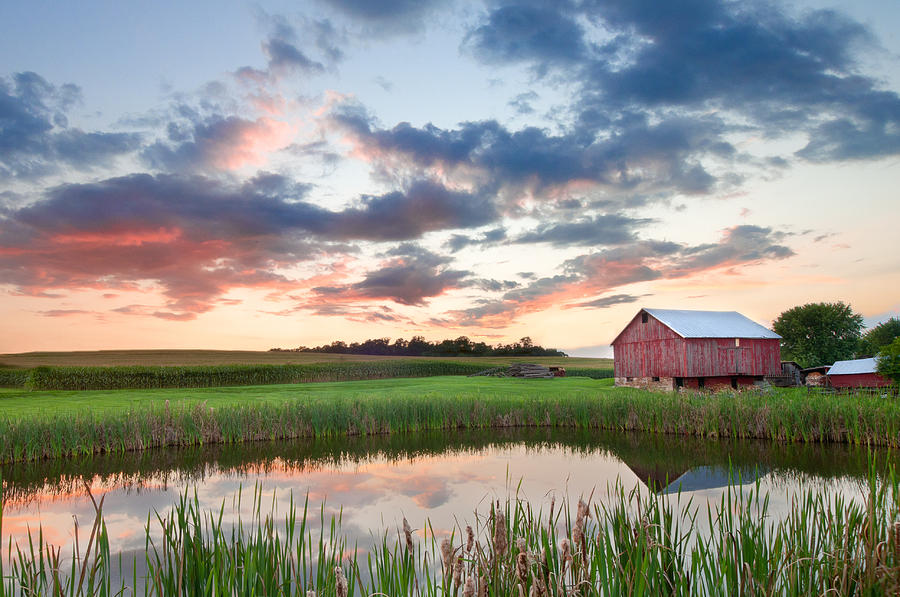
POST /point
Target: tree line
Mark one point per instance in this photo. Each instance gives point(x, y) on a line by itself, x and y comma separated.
point(418, 346)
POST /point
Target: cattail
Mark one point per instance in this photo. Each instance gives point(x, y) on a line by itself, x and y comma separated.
point(447, 555)
point(522, 545)
point(580, 516)
point(408, 533)
point(482, 586)
point(565, 552)
point(501, 543)
point(458, 571)
point(310, 593)
point(895, 537)
point(470, 538)
point(469, 589)
point(340, 582)
point(522, 567)
point(538, 588)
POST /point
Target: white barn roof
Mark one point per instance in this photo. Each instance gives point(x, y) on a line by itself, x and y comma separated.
point(854, 367)
point(711, 324)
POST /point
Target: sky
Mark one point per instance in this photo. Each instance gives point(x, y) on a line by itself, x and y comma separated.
point(244, 175)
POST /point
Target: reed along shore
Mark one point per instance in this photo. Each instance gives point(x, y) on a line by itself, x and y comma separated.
point(40, 425)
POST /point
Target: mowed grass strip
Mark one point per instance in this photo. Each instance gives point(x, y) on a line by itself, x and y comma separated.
point(36, 425)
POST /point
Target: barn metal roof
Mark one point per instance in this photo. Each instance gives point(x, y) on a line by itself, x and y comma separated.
point(711, 324)
point(853, 367)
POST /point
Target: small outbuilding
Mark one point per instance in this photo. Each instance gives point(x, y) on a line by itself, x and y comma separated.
point(670, 349)
point(856, 373)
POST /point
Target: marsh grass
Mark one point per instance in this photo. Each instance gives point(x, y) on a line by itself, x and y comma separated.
point(450, 403)
point(629, 543)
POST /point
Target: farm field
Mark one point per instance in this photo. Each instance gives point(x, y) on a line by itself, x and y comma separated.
point(170, 358)
point(50, 424)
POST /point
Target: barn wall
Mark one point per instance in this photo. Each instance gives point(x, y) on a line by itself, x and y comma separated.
point(709, 357)
point(652, 349)
point(859, 380)
point(646, 349)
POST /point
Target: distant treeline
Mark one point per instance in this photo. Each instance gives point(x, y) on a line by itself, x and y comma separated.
point(420, 347)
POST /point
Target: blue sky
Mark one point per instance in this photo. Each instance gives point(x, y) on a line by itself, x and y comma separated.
point(237, 175)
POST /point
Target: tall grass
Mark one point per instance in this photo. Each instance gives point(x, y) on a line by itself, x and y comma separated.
point(135, 377)
point(627, 544)
point(785, 416)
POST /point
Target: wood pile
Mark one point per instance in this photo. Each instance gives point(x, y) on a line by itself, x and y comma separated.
point(525, 370)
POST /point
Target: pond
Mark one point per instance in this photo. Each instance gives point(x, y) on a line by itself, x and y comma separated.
point(438, 479)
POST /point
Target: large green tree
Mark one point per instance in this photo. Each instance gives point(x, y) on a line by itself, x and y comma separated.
point(888, 363)
point(818, 333)
point(878, 337)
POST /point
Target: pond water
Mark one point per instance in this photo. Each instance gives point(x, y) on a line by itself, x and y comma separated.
point(441, 478)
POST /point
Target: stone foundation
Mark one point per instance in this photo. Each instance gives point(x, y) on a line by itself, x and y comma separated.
point(660, 384)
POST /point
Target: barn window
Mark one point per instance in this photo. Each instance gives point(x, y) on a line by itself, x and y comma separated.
point(629, 379)
point(737, 341)
point(734, 383)
point(644, 318)
point(655, 378)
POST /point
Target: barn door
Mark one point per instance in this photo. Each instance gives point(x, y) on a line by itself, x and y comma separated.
point(735, 360)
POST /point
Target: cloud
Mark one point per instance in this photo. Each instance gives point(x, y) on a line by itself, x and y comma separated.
point(217, 142)
point(196, 238)
point(636, 156)
point(35, 137)
point(612, 268)
point(387, 16)
point(529, 32)
point(767, 69)
point(607, 301)
point(412, 275)
point(609, 229)
point(457, 242)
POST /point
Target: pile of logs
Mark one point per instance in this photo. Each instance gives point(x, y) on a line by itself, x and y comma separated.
point(528, 370)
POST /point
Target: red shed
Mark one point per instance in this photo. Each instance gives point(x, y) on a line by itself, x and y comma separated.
point(858, 373)
point(669, 349)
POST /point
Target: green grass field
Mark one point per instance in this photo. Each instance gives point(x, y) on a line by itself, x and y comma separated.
point(22, 404)
point(173, 358)
point(52, 424)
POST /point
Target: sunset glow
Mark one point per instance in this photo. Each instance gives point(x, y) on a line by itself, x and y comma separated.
point(299, 174)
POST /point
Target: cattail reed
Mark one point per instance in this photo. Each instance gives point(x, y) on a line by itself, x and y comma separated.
point(447, 555)
point(470, 538)
point(407, 533)
point(469, 588)
point(340, 582)
point(522, 567)
point(501, 541)
point(457, 572)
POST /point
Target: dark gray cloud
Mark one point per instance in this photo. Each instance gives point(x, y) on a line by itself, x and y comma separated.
point(411, 276)
point(388, 16)
point(607, 301)
point(609, 229)
point(35, 137)
point(457, 242)
point(636, 154)
point(522, 102)
point(197, 238)
point(538, 33)
point(777, 72)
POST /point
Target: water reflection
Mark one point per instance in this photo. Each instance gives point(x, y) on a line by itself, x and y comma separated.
point(376, 481)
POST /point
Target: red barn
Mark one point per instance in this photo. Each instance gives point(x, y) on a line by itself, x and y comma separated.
point(670, 349)
point(858, 373)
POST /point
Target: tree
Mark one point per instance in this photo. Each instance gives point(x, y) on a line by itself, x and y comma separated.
point(818, 333)
point(878, 337)
point(887, 363)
